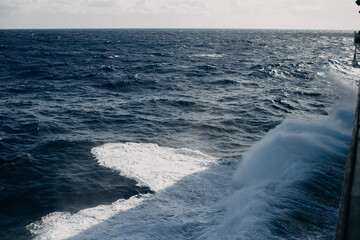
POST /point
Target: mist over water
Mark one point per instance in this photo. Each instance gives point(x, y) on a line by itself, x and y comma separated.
point(173, 134)
point(287, 186)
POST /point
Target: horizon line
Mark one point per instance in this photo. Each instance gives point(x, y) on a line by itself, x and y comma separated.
point(174, 28)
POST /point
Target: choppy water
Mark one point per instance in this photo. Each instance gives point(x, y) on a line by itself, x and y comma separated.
point(173, 134)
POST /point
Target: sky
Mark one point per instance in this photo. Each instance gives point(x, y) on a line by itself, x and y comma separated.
point(255, 14)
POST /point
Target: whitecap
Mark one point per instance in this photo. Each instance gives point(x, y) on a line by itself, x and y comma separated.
point(150, 165)
point(209, 55)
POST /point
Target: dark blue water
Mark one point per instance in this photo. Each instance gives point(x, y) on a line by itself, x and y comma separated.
point(64, 92)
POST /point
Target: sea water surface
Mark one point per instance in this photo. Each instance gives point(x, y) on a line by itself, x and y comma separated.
point(173, 134)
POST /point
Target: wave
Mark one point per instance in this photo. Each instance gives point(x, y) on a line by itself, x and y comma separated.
point(287, 186)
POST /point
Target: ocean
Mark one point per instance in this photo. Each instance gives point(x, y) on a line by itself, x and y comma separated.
point(173, 133)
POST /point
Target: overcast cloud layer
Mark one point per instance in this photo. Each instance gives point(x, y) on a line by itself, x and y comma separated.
point(293, 14)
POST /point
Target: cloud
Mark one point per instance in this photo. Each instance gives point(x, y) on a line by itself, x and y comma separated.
point(19, 7)
point(178, 13)
point(120, 6)
point(164, 6)
point(10, 6)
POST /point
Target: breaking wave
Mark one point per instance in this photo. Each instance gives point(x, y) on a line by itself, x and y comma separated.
point(287, 185)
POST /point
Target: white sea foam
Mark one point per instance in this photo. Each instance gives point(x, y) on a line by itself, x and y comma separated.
point(151, 165)
point(62, 225)
point(188, 184)
point(209, 55)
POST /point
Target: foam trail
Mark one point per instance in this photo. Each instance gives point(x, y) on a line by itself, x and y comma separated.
point(287, 181)
point(182, 204)
point(62, 225)
point(150, 165)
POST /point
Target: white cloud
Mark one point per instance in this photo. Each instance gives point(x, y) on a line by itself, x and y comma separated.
point(179, 13)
